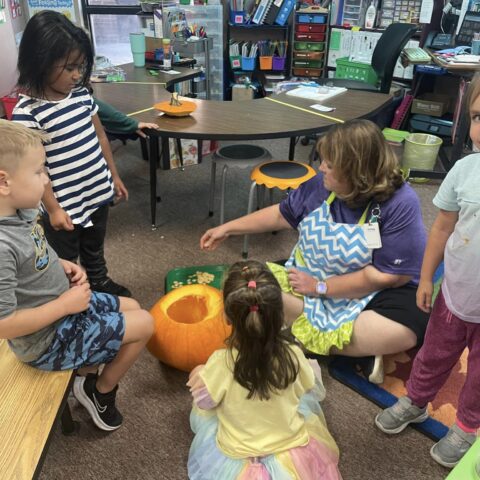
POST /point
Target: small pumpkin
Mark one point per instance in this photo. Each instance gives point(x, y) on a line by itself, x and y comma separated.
point(189, 326)
point(176, 108)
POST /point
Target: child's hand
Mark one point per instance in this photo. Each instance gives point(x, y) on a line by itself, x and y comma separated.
point(75, 273)
point(76, 299)
point(121, 192)
point(142, 125)
point(424, 295)
point(60, 220)
point(302, 282)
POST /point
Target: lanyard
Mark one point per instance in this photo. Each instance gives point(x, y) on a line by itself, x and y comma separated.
point(363, 218)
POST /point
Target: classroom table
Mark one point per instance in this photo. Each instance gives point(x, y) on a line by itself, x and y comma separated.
point(278, 116)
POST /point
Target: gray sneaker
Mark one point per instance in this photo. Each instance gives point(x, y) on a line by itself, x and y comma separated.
point(394, 419)
point(452, 447)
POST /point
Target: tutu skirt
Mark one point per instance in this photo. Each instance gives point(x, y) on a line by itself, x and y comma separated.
point(314, 461)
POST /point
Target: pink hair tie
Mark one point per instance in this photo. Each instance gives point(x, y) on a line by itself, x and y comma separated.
point(252, 284)
point(254, 308)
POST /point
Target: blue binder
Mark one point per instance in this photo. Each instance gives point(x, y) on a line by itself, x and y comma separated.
point(285, 10)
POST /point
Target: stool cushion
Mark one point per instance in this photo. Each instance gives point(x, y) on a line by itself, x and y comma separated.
point(241, 152)
point(282, 174)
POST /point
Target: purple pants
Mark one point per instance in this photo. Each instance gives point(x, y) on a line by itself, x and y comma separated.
point(445, 340)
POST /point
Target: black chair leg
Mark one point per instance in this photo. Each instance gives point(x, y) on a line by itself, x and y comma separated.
point(180, 153)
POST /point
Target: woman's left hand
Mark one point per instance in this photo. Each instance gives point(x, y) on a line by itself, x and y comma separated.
point(142, 125)
point(302, 282)
point(121, 192)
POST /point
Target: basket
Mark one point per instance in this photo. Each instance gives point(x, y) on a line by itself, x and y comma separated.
point(355, 71)
point(179, 277)
point(9, 103)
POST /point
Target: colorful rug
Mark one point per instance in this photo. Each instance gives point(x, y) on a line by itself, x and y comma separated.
point(397, 370)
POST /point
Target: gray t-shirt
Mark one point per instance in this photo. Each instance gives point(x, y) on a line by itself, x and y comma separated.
point(30, 275)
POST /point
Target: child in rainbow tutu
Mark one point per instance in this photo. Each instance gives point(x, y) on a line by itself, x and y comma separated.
point(256, 411)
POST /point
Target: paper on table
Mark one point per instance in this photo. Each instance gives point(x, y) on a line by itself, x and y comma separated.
point(171, 72)
point(426, 11)
point(314, 93)
point(322, 108)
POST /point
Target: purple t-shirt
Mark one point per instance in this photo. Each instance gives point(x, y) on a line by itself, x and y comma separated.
point(401, 225)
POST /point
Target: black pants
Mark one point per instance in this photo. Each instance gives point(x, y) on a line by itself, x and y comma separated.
point(84, 242)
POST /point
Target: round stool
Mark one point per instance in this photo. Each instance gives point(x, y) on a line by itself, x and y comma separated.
point(239, 156)
point(281, 174)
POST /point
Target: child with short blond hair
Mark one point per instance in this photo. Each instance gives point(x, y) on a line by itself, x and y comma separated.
point(48, 314)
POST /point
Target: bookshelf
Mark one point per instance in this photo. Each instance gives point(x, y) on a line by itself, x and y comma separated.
point(252, 68)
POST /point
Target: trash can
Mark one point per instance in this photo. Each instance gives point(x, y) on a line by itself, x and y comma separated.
point(421, 151)
point(395, 139)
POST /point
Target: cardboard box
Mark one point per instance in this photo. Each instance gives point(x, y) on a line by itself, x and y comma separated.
point(431, 104)
point(241, 93)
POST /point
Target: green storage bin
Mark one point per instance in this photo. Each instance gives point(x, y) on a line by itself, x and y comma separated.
point(207, 274)
point(311, 46)
point(308, 63)
point(355, 71)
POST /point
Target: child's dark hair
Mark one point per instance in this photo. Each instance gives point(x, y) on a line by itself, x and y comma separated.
point(253, 304)
point(48, 38)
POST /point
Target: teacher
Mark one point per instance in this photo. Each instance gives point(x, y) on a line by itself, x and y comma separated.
point(350, 283)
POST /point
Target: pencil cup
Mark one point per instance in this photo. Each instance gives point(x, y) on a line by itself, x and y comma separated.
point(237, 17)
point(475, 47)
point(266, 63)
point(248, 63)
point(137, 45)
point(278, 63)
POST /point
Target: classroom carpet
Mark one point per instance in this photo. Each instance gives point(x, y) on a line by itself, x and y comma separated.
point(154, 440)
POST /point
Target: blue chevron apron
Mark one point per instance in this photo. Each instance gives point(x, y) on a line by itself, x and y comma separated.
point(324, 249)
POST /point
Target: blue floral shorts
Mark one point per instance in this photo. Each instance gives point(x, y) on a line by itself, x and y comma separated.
point(88, 338)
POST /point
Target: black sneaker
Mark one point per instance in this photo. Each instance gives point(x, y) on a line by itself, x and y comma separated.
point(100, 406)
point(109, 286)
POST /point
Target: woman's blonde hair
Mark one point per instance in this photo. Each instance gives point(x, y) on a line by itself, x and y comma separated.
point(359, 155)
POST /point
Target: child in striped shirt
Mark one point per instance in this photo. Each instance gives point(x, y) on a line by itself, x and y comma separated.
point(54, 64)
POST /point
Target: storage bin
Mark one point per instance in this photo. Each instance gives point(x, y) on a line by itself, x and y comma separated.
point(310, 28)
point(311, 18)
point(248, 63)
point(235, 61)
point(308, 63)
point(266, 63)
point(237, 17)
point(278, 63)
point(308, 55)
point(314, 37)
point(421, 151)
point(355, 71)
point(314, 47)
point(307, 72)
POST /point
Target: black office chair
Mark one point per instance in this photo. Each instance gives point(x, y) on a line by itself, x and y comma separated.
point(384, 59)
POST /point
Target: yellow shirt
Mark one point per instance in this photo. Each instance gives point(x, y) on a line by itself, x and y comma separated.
point(254, 427)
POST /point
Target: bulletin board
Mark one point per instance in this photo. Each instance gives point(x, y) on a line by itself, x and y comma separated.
point(63, 6)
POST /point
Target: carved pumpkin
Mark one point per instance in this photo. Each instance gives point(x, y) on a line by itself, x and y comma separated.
point(176, 108)
point(189, 326)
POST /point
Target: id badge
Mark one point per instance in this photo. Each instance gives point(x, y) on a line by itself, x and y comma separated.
point(372, 235)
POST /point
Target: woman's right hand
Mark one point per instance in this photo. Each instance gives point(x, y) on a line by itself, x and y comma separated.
point(212, 238)
point(60, 220)
point(424, 295)
point(76, 299)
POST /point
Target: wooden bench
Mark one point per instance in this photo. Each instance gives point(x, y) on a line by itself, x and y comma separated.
point(31, 400)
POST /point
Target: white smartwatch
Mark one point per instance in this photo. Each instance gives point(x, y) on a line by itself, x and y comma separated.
point(321, 288)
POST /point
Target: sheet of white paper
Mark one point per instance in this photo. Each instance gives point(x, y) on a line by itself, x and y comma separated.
point(463, 11)
point(318, 94)
point(322, 108)
point(171, 72)
point(426, 11)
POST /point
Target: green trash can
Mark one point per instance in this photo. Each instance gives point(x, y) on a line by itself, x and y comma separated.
point(421, 151)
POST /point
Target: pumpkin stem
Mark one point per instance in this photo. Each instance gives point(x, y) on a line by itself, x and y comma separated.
point(174, 101)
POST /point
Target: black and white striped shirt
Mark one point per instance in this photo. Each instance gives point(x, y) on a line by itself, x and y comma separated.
point(80, 177)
